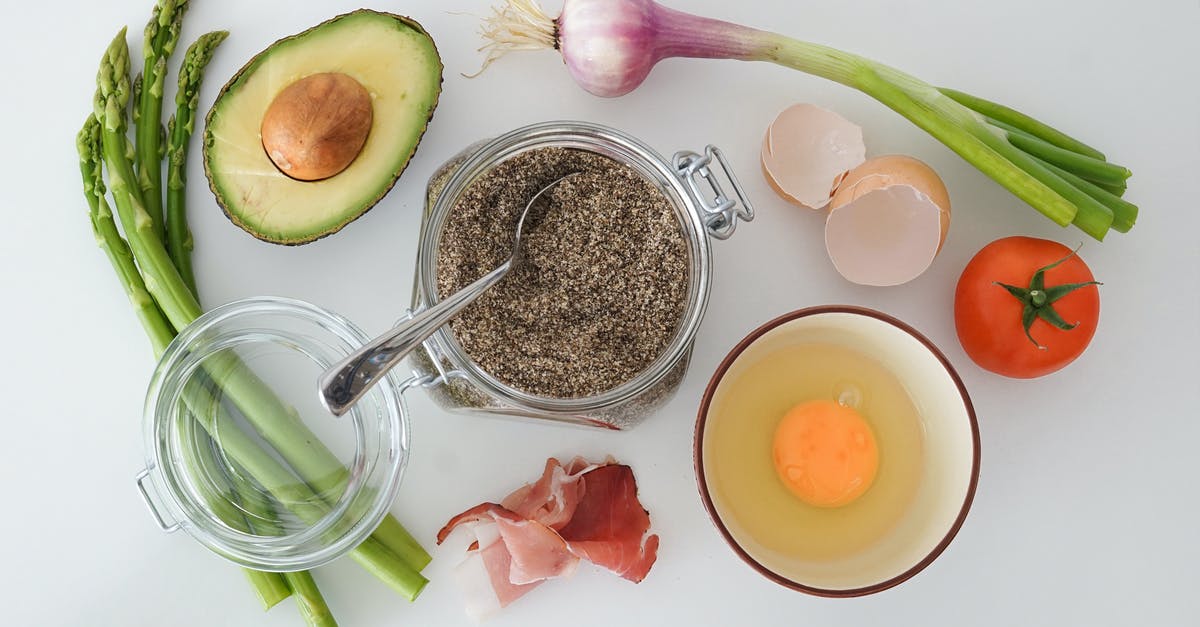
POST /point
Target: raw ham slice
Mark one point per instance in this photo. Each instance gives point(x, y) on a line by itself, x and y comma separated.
point(537, 552)
point(483, 576)
point(551, 500)
point(609, 524)
point(543, 529)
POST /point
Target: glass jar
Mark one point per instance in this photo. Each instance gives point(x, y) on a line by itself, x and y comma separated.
point(241, 455)
point(705, 211)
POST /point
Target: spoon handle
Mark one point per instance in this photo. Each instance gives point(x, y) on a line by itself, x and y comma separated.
point(348, 380)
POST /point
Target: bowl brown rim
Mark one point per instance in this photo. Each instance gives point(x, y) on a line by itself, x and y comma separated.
point(698, 453)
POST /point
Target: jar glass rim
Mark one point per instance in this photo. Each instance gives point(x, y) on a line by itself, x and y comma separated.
point(587, 136)
point(372, 474)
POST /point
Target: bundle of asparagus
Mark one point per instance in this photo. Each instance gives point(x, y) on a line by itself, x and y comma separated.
point(150, 254)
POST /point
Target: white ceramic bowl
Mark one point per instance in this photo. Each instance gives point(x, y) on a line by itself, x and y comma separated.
point(951, 451)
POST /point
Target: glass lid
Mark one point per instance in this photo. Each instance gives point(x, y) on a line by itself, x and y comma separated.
point(240, 452)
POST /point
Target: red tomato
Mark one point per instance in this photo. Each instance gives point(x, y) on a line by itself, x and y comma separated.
point(991, 315)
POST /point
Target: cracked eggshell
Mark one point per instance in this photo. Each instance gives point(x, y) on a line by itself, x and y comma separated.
point(887, 221)
point(887, 236)
point(807, 151)
point(886, 170)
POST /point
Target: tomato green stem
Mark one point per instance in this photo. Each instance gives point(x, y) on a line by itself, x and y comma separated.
point(1038, 300)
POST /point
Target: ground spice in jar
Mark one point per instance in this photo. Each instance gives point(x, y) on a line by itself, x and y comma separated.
point(603, 285)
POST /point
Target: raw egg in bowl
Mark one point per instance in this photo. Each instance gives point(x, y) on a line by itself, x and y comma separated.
point(837, 451)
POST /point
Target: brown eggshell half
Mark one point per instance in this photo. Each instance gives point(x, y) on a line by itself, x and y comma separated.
point(886, 236)
point(886, 170)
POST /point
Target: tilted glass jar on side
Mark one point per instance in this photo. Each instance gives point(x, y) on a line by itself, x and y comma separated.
point(242, 457)
point(689, 181)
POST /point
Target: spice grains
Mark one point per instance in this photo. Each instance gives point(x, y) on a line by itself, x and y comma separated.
point(602, 286)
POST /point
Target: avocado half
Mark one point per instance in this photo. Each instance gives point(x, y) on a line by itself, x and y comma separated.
point(398, 64)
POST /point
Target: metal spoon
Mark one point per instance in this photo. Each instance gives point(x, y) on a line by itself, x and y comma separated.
point(348, 380)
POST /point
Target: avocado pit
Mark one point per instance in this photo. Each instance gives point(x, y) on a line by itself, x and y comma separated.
point(317, 126)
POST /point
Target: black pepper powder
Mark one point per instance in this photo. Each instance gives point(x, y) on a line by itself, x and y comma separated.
point(602, 288)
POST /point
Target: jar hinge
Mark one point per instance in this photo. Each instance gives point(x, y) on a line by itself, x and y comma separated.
point(720, 212)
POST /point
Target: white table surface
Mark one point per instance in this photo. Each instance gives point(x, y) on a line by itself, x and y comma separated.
point(1087, 507)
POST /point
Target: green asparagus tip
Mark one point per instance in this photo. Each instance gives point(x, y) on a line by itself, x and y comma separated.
point(199, 54)
point(194, 61)
point(112, 78)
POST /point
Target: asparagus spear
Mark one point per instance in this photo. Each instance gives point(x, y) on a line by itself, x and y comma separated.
point(179, 238)
point(269, 587)
point(105, 229)
point(257, 515)
point(263, 520)
point(198, 457)
point(161, 36)
point(161, 278)
point(309, 601)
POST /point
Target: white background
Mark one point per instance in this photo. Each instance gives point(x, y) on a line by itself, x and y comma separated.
point(1087, 509)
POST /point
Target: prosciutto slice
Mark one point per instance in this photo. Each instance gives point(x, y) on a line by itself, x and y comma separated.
point(483, 576)
point(542, 530)
point(609, 524)
point(551, 500)
point(536, 551)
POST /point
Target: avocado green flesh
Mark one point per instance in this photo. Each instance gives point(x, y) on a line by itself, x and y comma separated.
point(398, 65)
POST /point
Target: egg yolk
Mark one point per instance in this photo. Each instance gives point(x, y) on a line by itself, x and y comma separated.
point(825, 453)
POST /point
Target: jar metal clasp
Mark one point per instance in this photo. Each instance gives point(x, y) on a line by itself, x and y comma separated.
point(719, 211)
point(152, 504)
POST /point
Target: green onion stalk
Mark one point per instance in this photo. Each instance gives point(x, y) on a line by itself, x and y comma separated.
point(610, 46)
point(165, 302)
